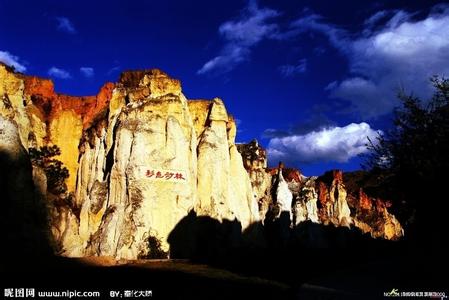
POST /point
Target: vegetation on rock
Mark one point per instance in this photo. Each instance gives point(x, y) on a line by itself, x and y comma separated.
point(54, 170)
point(154, 250)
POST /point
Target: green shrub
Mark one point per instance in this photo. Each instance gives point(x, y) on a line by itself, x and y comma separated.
point(155, 250)
point(54, 170)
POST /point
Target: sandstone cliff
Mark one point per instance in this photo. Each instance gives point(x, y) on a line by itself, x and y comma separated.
point(140, 156)
point(133, 161)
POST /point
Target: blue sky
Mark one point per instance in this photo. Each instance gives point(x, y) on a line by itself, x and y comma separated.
point(309, 79)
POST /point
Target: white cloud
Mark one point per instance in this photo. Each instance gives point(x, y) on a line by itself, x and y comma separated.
point(241, 35)
point(291, 70)
point(401, 53)
point(375, 18)
point(327, 144)
point(12, 61)
point(314, 22)
point(231, 56)
point(87, 72)
point(113, 70)
point(65, 25)
point(59, 73)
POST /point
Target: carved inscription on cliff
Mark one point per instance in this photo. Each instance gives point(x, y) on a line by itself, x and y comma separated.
point(157, 174)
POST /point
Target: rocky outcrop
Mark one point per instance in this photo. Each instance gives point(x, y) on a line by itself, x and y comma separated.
point(61, 119)
point(147, 173)
point(255, 163)
point(221, 190)
point(282, 195)
point(305, 207)
point(322, 200)
point(372, 216)
point(140, 157)
point(162, 156)
point(332, 198)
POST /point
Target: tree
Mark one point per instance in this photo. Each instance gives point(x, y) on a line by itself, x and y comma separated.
point(413, 157)
point(154, 250)
point(417, 142)
point(54, 170)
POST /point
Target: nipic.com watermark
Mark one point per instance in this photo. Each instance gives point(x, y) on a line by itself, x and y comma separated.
point(415, 294)
point(75, 294)
point(32, 293)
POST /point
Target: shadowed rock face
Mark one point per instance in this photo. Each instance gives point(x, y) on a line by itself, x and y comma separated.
point(140, 157)
point(23, 215)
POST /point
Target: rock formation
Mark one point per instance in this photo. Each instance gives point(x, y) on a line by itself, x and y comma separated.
point(255, 163)
point(119, 169)
point(323, 200)
point(140, 156)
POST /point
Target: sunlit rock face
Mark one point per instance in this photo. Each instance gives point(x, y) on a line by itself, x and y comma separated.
point(282, 195)
point(140, 158)
point(305, 207)
point(60, 119)
point(332, 198)
point(222, 184)
point(372, 216)
point(322, 200)
point(255, 163)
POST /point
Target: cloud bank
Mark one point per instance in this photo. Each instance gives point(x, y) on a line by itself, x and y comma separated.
point(59, 73)
point(393, 51)
point(338, 144)
point(241, 35)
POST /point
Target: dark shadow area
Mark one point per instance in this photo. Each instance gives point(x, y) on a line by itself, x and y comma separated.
point(316, 261)
point(23, 218)
point(167, 280)
point(265, 261)
point(204, 239)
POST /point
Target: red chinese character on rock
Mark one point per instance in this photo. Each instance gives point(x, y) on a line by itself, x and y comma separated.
point(158, 174)
point(179, 176)
point(149, 173)
point(168, 175)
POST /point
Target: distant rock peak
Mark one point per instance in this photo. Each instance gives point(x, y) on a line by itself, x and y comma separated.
point(133, 78)
point(152, 83)
point(324, 199)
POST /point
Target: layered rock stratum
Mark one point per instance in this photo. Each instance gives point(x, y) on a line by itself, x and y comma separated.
point(140, 157)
